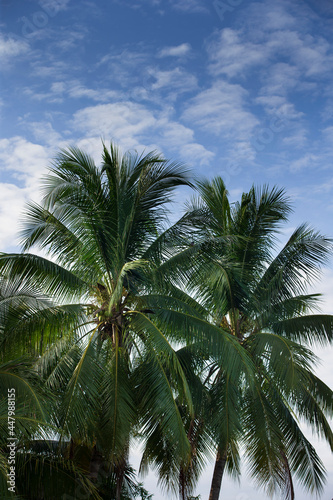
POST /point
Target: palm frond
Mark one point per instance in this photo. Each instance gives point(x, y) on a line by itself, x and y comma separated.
point(315, 329)
point(53, 279)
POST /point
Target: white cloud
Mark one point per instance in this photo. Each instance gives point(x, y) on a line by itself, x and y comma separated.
point(305, 56)
point(92, 146)
point(45, 133)
point(24, 162)
point(194, 153)
point(124, 64)
point(230, 55)
point(175, 79)
point(278, 59)
point(10, 213)
point(179, 138)
point(310, 54)
point(328, 134)
point(195, 6)
point(135, 77)
point(327, 112)
point(175, 51)
point(279, 106)
point(324, 188)
point(77, 91)
point(53, 69)
point(132, 125)
point(23, 159)
point(296, 139)
point(54, 97)
point(69, 41)
point(309, 160)
point(11, 48)
point(221, 109)
point(52, 7)
point(74, 89)
point(175, 133)
point(189, 5)
point(274, 15)
point(281, 78)
point(58, 87)
point(122, 121)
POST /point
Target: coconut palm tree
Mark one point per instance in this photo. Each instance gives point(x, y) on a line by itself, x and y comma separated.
point(260, 297)
point(101, 229)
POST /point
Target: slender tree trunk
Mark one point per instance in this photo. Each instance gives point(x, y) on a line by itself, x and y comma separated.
point(186, 472)
point(221, 459)
point(182, 486)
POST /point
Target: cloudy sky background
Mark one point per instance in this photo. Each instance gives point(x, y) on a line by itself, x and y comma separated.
point(241, 89)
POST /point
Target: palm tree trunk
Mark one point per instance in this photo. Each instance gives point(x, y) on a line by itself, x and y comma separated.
point(221, 459)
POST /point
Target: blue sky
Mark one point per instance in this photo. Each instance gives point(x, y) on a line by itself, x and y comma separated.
point(238, 88)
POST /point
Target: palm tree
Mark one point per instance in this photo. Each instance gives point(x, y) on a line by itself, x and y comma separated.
point(102, 348)
point(259, 297)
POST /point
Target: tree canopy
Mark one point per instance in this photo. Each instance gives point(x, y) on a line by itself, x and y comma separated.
point(193, 338)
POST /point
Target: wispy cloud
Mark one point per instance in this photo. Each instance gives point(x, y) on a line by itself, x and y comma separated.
point(297, 139)
point(11, 48)
point(175, 51)
point(271, 15)
point(132, 125)
point(24, 162)
point(328, 134)
point(54, 6)
point(194, 6)
point(77, 90)
point(178, 138)
point(53, 69)
point(272, 31)
point(189, 5)
point(277, 56)
point(10, 213)
point(221, 110)
point(281, 78)
point(123, 121)
point(279, 106)
point(127, 67)
point(72, 40)
point(175, 79)
point(44, 133)
point(23, 159)
point(231, 55)
point(311, 54)
point(306, 161)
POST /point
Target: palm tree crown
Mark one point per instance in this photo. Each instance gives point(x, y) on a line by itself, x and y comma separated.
point(102, 228)
point(193, 337)
point(259, 297)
